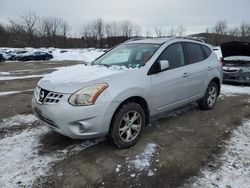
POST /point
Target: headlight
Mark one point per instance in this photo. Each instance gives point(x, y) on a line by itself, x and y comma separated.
point(87, 95)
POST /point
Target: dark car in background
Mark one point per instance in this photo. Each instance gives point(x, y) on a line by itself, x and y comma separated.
point(2, 59)
point(35, 56)
point(236, 61)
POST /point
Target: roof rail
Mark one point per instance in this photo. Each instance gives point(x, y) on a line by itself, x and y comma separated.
point(192, 38)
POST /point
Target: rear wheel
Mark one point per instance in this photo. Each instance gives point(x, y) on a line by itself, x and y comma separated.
point(127, 125)
point(210, 98)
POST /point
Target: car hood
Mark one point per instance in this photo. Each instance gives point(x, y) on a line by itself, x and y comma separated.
point(72, 78)
point(235, 48)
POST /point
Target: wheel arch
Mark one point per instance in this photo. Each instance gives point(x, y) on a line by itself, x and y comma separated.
point(136, 99)
point(217, 81)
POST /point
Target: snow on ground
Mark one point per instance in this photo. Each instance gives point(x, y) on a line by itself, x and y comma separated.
point(18, 120)
point(5, 78)
point(14, 92)
point(231, 90)
point(81, 54)
point(86, 55)
point(235, 169)
point(20, 160)
point(142, 161)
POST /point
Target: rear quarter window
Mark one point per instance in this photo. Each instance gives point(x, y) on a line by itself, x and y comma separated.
point(194, 52)
point(207, 50)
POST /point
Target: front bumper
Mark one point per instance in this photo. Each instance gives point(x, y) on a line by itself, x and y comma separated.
point(77, 122)
point(236, 77)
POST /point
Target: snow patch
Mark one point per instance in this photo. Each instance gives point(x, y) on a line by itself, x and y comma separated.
point(14, 92)
point(18, 120)
point(21, 77)
point(230, 90)
point(118, 167)
point(142, 161)
point(235, 170)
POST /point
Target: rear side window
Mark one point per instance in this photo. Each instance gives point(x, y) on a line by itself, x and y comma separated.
point(206, 50)
point(194, 52)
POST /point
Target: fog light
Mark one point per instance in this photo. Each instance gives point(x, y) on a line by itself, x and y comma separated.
point(81, 128)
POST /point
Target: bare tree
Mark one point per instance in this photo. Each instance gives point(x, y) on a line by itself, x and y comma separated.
point(127, 28)
point(99, 26)
point(29, 22)
point(219, 30)
point(244, 30)
point(148, 33)
point(172, 32)
point(65, 28)
point(159, 32)
point(180, 30)
point(220, 27)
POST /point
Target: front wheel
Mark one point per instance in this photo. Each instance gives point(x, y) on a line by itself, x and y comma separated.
point(210, 98)
point(127, 125)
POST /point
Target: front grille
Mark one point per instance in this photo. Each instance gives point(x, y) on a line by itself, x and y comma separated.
point(52, 98)
point(48, 97)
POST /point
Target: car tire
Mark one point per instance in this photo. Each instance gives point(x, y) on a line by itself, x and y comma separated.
point(127, 125)
point(210, 98)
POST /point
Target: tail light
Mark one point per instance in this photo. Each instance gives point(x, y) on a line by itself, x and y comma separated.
point(221, 62)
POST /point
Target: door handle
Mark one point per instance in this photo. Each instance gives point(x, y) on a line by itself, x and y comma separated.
point(185, 75)
point(209, 68)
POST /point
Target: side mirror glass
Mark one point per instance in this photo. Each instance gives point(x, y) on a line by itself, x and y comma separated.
point(164, 65)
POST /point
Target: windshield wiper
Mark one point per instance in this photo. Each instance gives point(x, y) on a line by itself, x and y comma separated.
point(104, 65)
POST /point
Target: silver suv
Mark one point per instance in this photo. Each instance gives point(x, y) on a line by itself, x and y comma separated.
point(118, 93)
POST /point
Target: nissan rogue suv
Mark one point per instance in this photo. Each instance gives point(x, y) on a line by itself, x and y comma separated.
point(116, 94)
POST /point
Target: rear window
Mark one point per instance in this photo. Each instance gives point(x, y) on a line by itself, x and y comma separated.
point(207, 50)
point(194, 52)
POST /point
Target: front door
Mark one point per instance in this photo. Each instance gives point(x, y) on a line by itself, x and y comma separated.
point(169, 88)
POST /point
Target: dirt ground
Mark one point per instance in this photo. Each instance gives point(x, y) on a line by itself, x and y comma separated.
point(186, 140)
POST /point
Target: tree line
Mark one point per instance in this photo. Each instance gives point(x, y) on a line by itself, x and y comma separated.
point(29, 30)
point(221, 32)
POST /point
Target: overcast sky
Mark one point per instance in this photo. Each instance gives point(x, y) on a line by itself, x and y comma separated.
point(195, 15)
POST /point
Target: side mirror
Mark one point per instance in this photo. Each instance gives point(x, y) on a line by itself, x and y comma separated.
point(164, 65)
point(158, 67)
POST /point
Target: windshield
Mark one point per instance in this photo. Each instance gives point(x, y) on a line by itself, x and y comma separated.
point(129, 55)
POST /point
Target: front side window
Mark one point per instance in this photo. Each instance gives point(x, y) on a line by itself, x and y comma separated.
point(129, 55)
point(174, 55)
point(194, 53)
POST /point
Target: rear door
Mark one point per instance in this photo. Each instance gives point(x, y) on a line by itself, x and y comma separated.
point(169, 87)
point(197, 69)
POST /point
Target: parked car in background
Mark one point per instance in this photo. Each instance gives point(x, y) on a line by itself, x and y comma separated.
point(2, 59)
point(118, 93)
point(17, 54)
point(35, 56)
point(236, 62)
